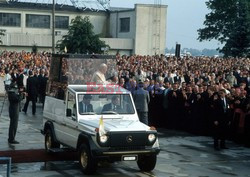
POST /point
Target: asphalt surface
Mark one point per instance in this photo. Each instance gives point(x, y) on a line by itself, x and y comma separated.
point(182, 155)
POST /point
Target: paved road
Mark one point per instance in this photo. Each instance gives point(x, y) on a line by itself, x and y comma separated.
point(182, 155)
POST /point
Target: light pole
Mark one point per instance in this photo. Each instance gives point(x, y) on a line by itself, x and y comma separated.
point(53, 27)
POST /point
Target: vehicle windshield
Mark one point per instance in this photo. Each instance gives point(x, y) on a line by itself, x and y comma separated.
point(105, 104)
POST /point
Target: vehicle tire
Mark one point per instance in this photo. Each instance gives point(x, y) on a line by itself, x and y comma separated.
point(50, 141)
point(87, 163)
point(147, 162)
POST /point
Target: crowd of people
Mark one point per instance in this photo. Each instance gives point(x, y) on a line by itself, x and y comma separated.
point(184, 92)
point(18, 68)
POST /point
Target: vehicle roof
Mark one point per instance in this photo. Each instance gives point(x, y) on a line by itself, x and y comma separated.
point(97, 89)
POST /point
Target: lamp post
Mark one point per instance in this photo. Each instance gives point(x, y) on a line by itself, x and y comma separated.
point(53, 27)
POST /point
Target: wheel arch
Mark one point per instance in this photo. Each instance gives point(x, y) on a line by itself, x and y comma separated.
point(49, 126)
point(86, 138)
point(83, 139)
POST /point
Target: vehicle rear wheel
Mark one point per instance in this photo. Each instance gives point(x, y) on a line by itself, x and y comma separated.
point(147, 162)
point(50, 142)
point(87, 163)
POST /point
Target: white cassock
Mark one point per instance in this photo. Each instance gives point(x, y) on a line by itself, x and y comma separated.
point(98, 78)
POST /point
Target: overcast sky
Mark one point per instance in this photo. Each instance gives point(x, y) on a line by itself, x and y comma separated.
point(184, 17)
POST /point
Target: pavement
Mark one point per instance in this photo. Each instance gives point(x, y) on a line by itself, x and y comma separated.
point(182, 155)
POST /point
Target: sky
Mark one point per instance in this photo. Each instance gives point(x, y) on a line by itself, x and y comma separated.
point(184, 18)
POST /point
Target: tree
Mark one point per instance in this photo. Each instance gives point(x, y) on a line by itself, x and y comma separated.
point(238, 43)
point(228, 22)
point(81, 38)
point(2, 33)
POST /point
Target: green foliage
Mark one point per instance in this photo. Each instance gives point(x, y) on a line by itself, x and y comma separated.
point(81, 38)
point(238, 43)
point(2, 33)
point(228, 22)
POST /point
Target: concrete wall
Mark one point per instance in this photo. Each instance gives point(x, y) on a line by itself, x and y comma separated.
point(145, 37)
point(115, 24)
point(26, 41)
point(98, 19)
point(119, 43)
point(150, 29)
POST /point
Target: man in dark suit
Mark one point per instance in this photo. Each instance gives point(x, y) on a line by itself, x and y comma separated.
point(175, 107)
point(32, 91)
point(14, 100)
point(142, 99)
point(113, 106)
point(177, 78)
point(85, 105)
point(19, 80)
point(14, 75)
point(42, 80)
point(221, 119)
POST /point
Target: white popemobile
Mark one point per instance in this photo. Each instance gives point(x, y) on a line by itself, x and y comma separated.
point(99, 134)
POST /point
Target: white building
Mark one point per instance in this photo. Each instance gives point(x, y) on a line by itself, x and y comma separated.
point(139, 30)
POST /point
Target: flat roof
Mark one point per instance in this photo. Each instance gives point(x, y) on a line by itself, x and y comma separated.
point(43, 6)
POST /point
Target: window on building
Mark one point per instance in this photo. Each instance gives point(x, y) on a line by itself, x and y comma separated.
point(62, 22)
point(10, 19)
point(124, 24)
point(37, 21)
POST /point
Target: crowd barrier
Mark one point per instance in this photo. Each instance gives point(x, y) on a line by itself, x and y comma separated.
point(6, 160)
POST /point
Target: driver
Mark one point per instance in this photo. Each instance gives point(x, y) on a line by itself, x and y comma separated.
point(85, 105)
point(113, 106)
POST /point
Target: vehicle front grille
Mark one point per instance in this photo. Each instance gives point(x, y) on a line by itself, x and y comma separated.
point(128, 139)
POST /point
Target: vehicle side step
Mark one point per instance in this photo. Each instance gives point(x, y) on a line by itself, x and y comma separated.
point(54, 150)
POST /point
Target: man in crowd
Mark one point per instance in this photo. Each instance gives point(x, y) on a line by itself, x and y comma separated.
point(221, 119)
point(141, 99)
point(42, 80)
point(14, 97)
point(32, 91)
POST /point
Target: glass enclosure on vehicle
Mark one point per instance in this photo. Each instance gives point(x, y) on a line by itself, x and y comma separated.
point(74, 69)
point(105, 104)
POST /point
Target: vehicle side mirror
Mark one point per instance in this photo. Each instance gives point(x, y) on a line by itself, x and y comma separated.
point(68, 113)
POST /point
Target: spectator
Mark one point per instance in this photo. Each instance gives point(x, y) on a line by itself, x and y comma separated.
point(32, 91)
point(221, 120)
point(142, 99)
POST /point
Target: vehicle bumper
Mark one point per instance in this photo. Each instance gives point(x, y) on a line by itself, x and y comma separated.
point(117, 155)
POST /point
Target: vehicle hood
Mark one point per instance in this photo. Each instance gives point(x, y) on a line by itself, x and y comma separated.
point(116, 125)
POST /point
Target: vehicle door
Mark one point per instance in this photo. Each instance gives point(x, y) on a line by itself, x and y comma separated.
point(70, 130)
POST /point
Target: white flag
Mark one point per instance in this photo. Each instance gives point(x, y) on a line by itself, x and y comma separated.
point(101, 127)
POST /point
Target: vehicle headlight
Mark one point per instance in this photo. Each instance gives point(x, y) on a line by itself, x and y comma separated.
point(151, 137)
point(103, 138)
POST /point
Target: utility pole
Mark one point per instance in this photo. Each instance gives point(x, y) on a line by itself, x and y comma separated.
point(53, 27)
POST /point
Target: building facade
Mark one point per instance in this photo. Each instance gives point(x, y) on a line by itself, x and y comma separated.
point(139, 30)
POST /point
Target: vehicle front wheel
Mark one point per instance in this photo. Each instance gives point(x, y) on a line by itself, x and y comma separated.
point(50, 142)
point(87, 163)
point(147, 162)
